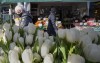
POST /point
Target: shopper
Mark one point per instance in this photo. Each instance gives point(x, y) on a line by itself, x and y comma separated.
point(52, 29)
point(22, 18)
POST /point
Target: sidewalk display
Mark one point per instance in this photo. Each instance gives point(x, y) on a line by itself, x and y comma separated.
point(75, 40)
point(31, 45)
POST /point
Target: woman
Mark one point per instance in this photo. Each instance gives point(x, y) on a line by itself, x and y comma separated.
point(52, 29)
point(22, 18)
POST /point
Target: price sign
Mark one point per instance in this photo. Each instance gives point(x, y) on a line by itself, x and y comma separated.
point(96, 28)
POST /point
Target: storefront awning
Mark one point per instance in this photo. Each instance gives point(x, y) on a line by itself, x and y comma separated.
point(15, 1)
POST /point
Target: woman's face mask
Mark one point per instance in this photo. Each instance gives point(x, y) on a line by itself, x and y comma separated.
point(53, 12)
point(18, 11)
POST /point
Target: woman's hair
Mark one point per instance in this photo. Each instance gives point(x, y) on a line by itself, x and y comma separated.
point(19, 9)
point(53, 10)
